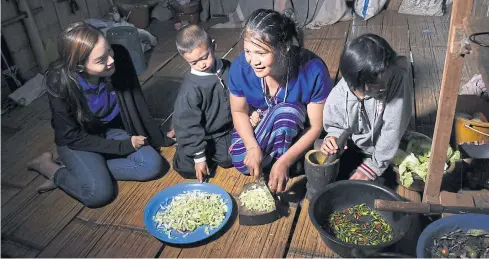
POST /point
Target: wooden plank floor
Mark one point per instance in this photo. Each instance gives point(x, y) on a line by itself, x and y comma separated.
point(55, 225)
point(306, 241)
point(465, 198)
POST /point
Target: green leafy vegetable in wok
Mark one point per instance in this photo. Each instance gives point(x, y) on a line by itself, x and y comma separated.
point(407, 168)
point(415, 160)
point(420, 148)
point(190, 210)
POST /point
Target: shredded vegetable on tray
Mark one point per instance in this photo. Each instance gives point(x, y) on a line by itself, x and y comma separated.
point(257, 199)
point(190, 210)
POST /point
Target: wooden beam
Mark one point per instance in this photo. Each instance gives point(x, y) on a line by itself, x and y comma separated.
point(452, 74)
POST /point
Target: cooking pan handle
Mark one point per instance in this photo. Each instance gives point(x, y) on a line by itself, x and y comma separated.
point(478, 131)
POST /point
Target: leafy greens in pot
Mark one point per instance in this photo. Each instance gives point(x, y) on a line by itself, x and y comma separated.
point(414, 161)
point(407, 168)
point(190, 210)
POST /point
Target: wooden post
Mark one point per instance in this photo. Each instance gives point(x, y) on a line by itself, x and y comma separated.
point(452, 74)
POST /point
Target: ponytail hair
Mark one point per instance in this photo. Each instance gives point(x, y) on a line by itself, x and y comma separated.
point(291, 19)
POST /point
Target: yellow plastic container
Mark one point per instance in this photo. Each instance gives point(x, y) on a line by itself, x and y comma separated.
point(466, 130)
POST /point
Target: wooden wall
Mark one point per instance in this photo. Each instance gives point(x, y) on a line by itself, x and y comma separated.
point(54, 17)
point(480, 8)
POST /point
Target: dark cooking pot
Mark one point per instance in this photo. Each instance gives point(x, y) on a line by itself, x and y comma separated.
point(344, 194)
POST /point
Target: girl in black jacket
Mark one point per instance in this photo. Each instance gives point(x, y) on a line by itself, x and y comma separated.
point(100, 119)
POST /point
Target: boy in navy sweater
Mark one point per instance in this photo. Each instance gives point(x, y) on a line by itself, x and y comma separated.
point(202, 114)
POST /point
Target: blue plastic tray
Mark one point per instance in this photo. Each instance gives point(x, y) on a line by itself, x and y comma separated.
point(165, 197)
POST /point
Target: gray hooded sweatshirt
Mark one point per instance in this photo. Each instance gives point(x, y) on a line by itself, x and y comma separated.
point(379, 123)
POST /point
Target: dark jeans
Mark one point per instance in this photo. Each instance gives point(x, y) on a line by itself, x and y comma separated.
point(216, 153)
point(89, 176)
point(352, 158)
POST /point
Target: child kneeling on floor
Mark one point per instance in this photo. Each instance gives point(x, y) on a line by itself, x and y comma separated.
point(374, 102)
point(202, 115)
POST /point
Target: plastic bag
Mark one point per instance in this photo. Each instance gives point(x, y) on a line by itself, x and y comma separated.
point(368, 8)
point(422, 7)
point(330, 12)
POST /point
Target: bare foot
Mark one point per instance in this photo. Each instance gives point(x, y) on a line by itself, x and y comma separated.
point(44, 165)
point(47, 186)
point(35, 164)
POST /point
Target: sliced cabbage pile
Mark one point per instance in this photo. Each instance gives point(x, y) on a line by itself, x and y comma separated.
point(257, 199)
point(190, 210)
point(414, 161)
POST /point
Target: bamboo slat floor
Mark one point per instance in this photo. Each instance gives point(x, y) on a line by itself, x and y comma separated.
point(255, 241)
point(55, 225)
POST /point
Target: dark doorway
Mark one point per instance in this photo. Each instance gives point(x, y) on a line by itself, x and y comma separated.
point(7, 61)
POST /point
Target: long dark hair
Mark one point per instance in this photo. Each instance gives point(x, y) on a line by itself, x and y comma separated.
point(277, 31)
point(75, 44)
point(365, 59)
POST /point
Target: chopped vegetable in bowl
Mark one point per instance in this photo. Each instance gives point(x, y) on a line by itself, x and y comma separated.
point(190, 210)
point(257, 199)
point(414, 161)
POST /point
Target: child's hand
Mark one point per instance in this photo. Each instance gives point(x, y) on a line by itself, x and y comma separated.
point(329, 145)
point(201, 169)
point(359, 175)
point(255, 119)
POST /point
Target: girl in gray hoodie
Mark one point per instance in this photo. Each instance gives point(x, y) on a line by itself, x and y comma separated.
point(373, 101)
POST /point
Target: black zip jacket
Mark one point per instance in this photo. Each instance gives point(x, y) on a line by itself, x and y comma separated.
point(134, 114)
